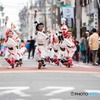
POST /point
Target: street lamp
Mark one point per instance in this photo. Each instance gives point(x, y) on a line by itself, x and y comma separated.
point(1, 8)
point(58, 3)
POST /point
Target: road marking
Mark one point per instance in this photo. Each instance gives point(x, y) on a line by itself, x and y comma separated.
point(62, 99)
point(15, 90)
point(93, 91)
point(51, 71)
point(55, 99)
point(56, 90)
point(97, 76)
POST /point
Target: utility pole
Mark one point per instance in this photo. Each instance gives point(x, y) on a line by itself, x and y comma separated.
point(45, 16)
point(59, 16)
point(31, 14)
point(78, 18)
point(52, 15)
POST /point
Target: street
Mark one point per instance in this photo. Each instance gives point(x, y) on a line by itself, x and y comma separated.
point(51, 83)
point(49, 49)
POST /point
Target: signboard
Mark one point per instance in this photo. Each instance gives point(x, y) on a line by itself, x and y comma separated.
point(70, 22)
point(96, 21)
point(68, 12)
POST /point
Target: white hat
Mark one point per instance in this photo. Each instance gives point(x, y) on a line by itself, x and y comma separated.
point(63, 20)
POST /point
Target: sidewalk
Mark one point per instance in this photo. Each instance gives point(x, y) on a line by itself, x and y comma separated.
point(85, 65)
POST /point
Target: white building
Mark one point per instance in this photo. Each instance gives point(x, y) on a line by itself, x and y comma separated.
point(2, 21)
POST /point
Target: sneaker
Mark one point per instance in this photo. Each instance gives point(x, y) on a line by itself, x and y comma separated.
point(39, 65)
point(44, 66)
point(96, 64)
point(17, 64)
point(12, 64)
point(10, 67)
point(53, 64)
point(20, 63)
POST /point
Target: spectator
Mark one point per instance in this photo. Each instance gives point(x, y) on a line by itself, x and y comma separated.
point(83, 47)
point(88, 49)
point(99, 51)
point(94, 45)
point(77, 50)
point(32, 47)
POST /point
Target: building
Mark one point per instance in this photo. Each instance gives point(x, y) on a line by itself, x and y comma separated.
point(90, 15)
point(23, 18)
point(2, 21)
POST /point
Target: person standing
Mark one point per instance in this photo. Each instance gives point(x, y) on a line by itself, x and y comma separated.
point(94, 45)
point(99, 51)
point(32, 47)
point(77, 51)
point(84, 47)
point(88, 49)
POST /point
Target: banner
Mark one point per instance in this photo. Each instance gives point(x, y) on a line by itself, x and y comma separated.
point(68, 12)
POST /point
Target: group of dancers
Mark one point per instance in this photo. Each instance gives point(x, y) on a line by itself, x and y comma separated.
point(54, 47)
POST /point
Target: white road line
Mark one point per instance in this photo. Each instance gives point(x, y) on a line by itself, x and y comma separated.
point(20, 99)
point(56, 90)
point(55, 99)
point(97, 76)
point(15, 90)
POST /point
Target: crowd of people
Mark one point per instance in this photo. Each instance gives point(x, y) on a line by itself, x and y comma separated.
point(89, 46)
point(2, 48)
point(56, 47)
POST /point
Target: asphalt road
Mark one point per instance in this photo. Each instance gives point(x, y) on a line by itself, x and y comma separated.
point(49, 86)
point(82, 82)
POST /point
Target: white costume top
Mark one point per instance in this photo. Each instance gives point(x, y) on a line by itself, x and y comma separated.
point(11, 43)
point(41, 38)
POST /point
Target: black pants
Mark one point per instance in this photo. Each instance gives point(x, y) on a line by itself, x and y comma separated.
point(33, 51)
point(99, 58)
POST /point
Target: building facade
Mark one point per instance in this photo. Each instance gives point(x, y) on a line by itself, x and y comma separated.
point(2, 21)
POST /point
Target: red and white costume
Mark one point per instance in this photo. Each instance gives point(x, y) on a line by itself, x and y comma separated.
point(64, 27)
point(70, 48)
point(40, 52)
point(11, 50)
point(55, 54)
point(63, 54)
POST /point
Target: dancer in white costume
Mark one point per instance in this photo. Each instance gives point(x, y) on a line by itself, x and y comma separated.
point(71, 48)
point(64, 27)
point(11, 50)
point(63, 55)
point(41, 40)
